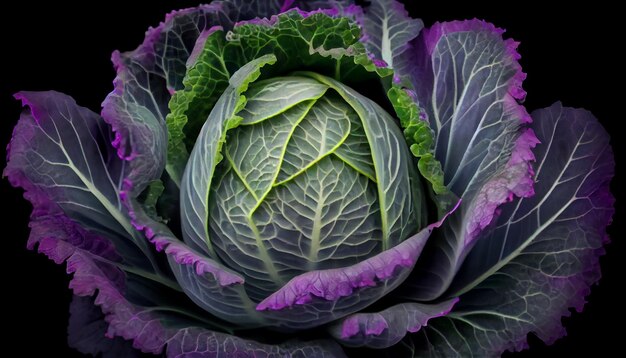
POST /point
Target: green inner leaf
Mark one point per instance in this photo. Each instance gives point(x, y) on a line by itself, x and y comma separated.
point(391, 160)
point(325, 129)
point(256, 153)
point(207, 153)
point(420, 139)
point(355, 150)
point(274, 96)
point(204, 83)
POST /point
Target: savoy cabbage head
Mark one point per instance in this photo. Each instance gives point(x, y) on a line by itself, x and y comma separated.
point(315, 179)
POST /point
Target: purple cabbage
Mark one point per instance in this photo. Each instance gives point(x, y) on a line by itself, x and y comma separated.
point(315, 179)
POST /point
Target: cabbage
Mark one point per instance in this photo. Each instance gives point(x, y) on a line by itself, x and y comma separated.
point(315, 179)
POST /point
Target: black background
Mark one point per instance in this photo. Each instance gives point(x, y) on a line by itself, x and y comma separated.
point(570, 54)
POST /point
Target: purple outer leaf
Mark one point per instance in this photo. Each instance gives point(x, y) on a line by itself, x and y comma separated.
point(386, 328)
point(60, 149)
point(87, 328)
point(388, 31)
point(562, 175)
point(62, 240)
point(90, 257)
point(542, 255)
point(468, 81)
point(318, 297)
